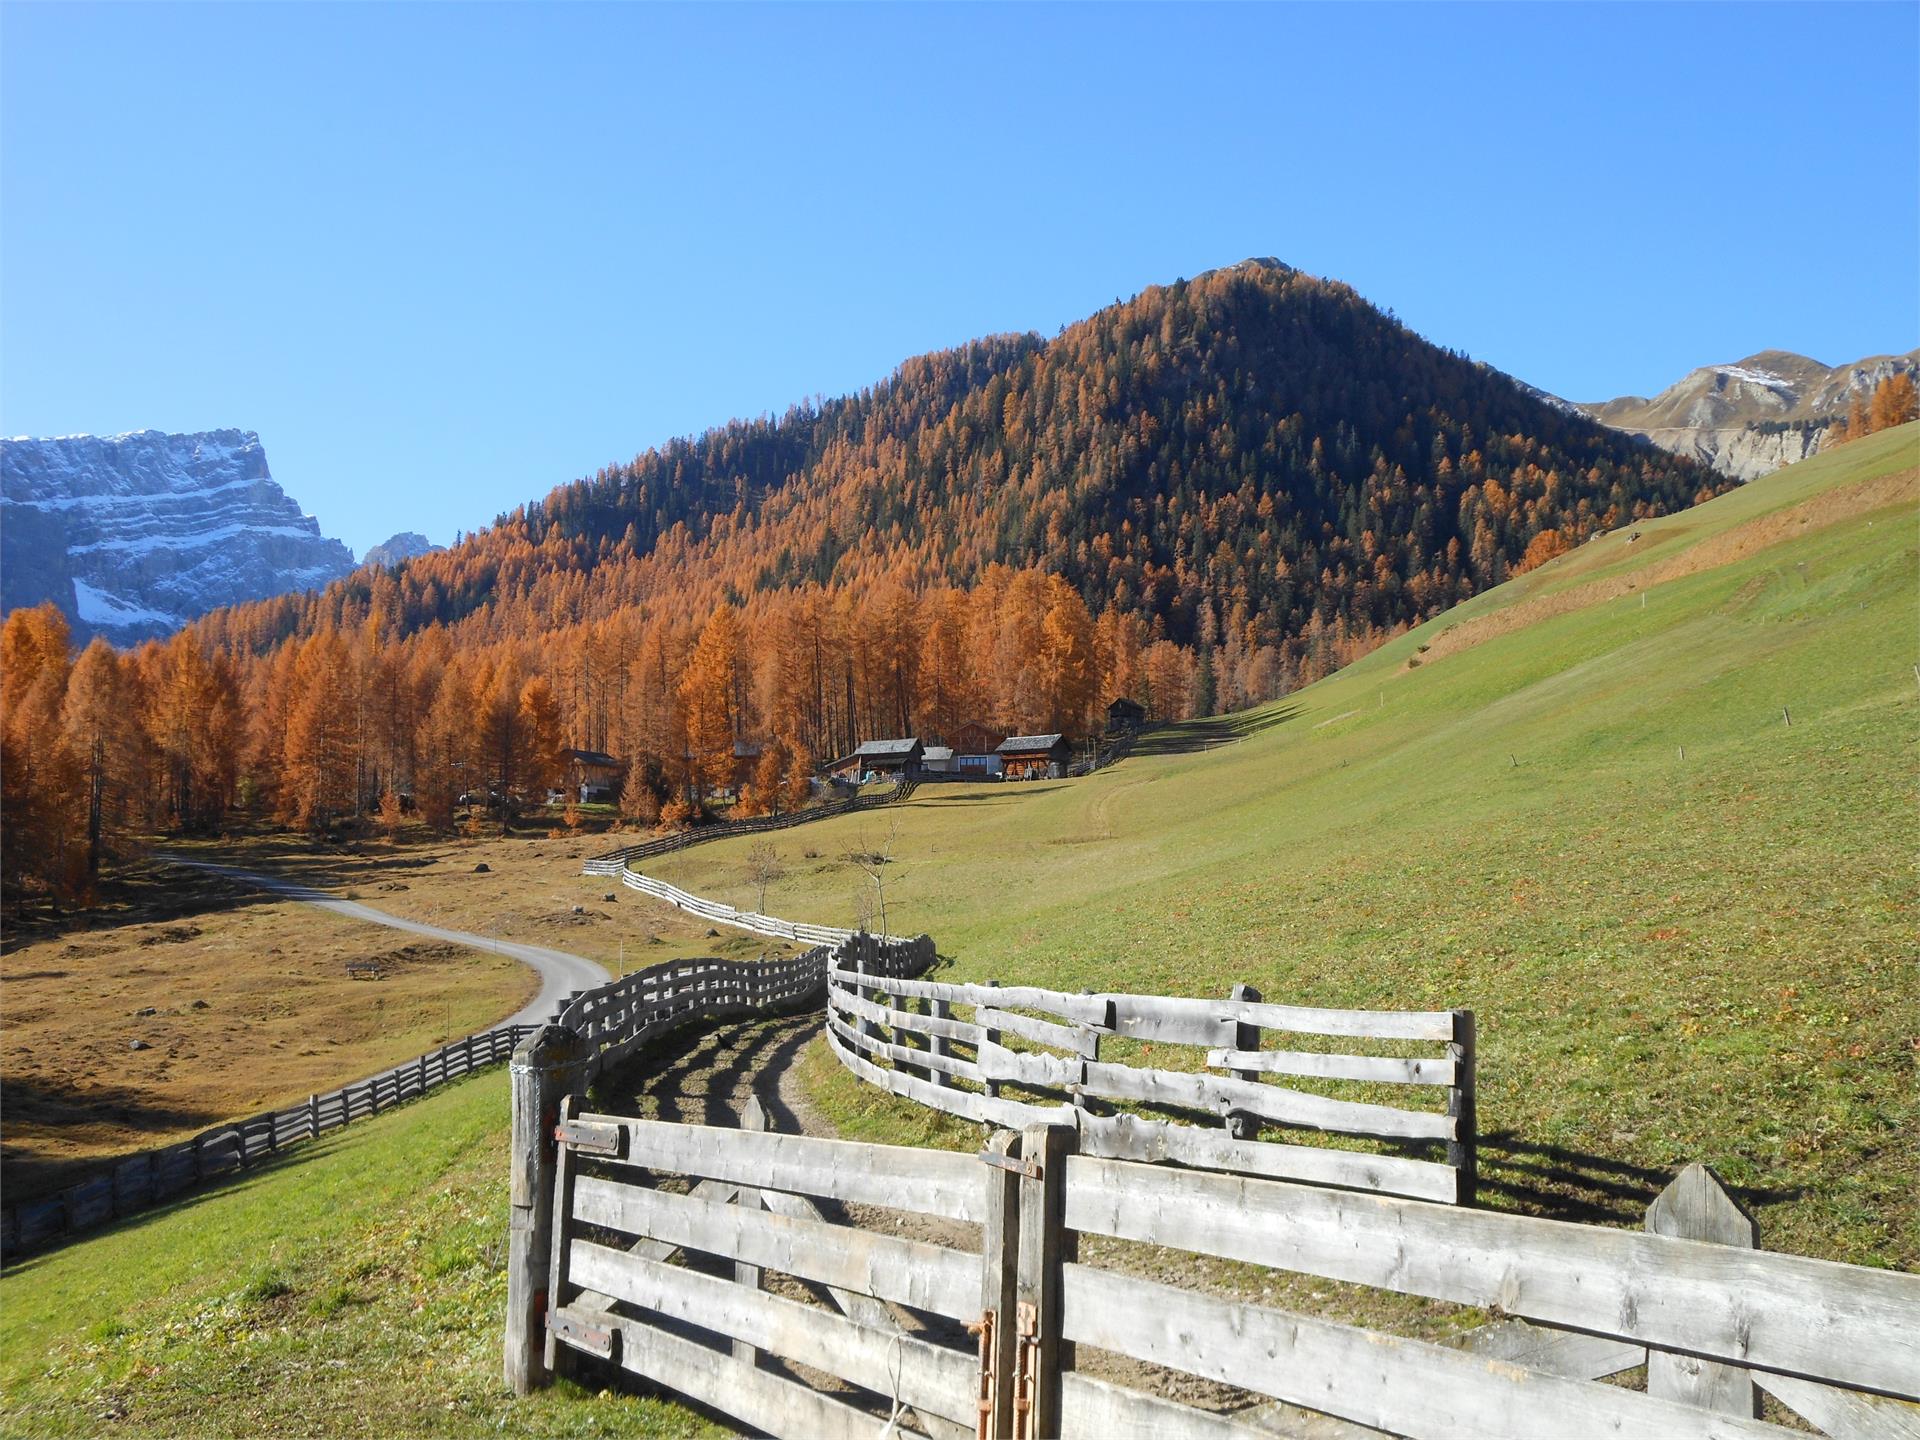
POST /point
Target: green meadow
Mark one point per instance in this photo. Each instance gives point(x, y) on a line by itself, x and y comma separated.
point(1662, 844)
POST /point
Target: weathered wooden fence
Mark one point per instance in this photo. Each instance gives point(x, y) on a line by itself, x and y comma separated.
point(662, 1239)
point(713, 910)
point(951, 1047)
point(142, 1180)
point(614, 861)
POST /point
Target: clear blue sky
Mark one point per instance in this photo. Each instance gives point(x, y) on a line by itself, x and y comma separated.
point(444, 258)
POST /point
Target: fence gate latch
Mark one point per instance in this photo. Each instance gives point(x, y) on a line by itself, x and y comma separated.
point(1031, 1169)
point(983, 1425)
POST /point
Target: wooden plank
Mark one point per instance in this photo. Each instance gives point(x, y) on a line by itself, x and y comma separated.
point(1041, 1032)
point(1404, 1386)
point(951, 1065)
point(1277, 1103)
point(999, 1286)
point(1092, 1409)
point(854, 1305)
point(926, 1376)
point(987, 1109)
point(1817, 1319)
point(938, 1025)
point(935, 1182)
point(1046, 1247)
point(1463, 1146)
point(1184, 1021)
point(1241, 1125)
point(1695, 1206)
point(1044, 1072)
point(1382, 1069)
point(1557, 1352)
point(552, 1064)
point(885, 1267)
point(1844, 1414)
point(765, 1403)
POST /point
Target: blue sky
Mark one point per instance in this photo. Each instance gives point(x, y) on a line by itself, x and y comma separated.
point(445, 257)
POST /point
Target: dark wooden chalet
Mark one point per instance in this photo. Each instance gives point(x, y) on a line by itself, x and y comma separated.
point(1125, 716)
point(594, 776)
point(877, 758)
point(1034, 757)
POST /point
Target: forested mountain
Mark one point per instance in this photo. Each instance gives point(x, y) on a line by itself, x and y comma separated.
point(1255, 445)
point(1199, 498)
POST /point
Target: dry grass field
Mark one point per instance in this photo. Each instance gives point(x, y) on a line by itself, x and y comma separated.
point(189, 999)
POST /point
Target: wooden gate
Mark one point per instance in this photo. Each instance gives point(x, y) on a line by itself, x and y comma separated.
point(684, 1253)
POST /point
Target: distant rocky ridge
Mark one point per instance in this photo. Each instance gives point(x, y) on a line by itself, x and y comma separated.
point(1753, 416)
point(404, 546)
point(134, 535)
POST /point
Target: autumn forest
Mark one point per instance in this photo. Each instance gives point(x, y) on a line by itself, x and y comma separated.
point(1201, 498)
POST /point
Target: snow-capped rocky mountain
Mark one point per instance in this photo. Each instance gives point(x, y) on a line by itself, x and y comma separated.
point(404, 546)
point(134, 535)
point(1754, 415)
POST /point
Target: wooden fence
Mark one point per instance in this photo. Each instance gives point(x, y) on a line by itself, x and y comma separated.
point(713, 910)
point(149, 1177)
point(662, 1237)
point(614, 861)
point(951, 1047)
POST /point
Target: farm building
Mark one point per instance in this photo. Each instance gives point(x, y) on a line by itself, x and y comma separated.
point(938, 760)
point(974, 738)
point(1034, 757)
point(594, 776)
point(746, 758)
point(877, 758)
point(1125, 716)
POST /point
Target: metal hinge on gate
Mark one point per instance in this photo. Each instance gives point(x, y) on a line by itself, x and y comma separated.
point(1031, 1169)
point(592, 1138)
point(983, 1425)
point(594, 1339)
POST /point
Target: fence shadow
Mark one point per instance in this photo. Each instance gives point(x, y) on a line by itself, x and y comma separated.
point(1189, 737)
point(1558, 1183)
point(704, 1076)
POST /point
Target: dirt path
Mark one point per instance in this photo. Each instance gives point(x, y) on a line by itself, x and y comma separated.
point(559, 972)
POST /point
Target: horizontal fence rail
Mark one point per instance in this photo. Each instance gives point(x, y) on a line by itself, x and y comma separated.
point(614, 861)
point(952, 1047)
point(139, 1181)
point(672, 1285)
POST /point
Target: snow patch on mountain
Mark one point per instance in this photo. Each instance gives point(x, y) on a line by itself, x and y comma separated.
point(133, 535)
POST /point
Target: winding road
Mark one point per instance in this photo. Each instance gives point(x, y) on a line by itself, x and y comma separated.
point(560, 973)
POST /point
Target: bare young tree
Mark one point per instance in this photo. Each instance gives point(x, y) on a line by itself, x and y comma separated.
point(872, 860)
point(764, 869)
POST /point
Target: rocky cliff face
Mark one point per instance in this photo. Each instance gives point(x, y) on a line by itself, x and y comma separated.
point(404, 546)
point(134, 535)
point(1755, 415)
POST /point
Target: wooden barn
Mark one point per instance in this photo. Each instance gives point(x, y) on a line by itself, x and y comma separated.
point(876, 759)
point(1125, 716)
point(1034, 757)
point(595, 777)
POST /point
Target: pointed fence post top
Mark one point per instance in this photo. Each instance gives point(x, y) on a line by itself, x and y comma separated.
point(1697, 1206)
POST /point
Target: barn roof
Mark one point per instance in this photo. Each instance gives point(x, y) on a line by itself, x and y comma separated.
point(939, 752)
point(889, 747)
point(592, 757)
point(1028, 744)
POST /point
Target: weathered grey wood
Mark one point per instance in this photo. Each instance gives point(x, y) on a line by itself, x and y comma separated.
point(753, 1116)
point(1558, 1352)
point(1046, 1247)
point(939, 1039)
point(999, 1286)
point(935, 1182)
point(1463, 1145)
point(1041, 1032)
point(885, 1267)
point(1384, 1069)
point(559, 1291)
point(989, 1036)
point(1277, 1103)
point(1092, 1409)
point(1695, 1206)
point(765, 1402)
point(854, 1305)
point(930, 1377)
point(1407, 1387)
point(949, 1065)
point(987, 1109)
point(1813, 1318)
point(1844, 1414)
point(551, 1064)
point(1183, 1021)
point(1039, 1071)
point(1246, 1036)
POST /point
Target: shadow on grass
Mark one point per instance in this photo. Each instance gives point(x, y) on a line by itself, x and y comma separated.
point(1556, 1183)
point(26, 1177)
point(1190, 737)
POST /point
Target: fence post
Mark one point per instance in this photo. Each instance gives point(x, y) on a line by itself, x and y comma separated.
point(939, 1044)
point(1696, 1206)
point(992, 1087)
point(551, 1063)
point(999, 1286)
point(1463, 1150)
point(1046, 1246)
point(1245, 1037)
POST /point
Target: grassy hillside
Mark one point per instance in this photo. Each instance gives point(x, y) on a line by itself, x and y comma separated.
point(355, 1289)
point(1573, 804)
